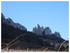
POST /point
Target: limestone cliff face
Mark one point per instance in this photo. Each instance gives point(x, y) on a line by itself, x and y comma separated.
point(41, 30)
point(47, 31)
point(44, 31)
point(38, 30)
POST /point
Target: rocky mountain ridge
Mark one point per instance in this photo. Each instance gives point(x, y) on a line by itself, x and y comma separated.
point(44, 31)
point(39, 30)
point(17, 39)
point(9, 21)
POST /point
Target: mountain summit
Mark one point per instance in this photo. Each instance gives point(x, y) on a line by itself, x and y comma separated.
point(9, 21)
point(40, 30)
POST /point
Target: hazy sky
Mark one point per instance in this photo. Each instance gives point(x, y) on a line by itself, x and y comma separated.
point(53, 14)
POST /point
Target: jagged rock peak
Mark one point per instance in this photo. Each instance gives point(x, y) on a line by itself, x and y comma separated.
point(9, 21)
point(47, 31)
point(40, 30)
point(44, 31)
point(3, 17)
point(57, 34)
point(37, 26)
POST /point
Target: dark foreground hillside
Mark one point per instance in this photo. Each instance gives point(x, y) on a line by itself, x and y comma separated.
point(17, 39)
